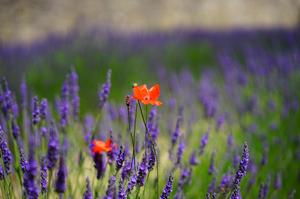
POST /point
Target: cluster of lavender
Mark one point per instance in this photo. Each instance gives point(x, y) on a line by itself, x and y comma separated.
point(43, 154)
point(39, 132)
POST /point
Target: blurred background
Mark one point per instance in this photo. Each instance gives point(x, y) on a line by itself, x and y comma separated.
point(225, 61)
point(42, 40)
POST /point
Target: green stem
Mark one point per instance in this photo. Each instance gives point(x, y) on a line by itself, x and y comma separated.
point(152, 148)
point(49, 183)
point(134, 138)
point(137, 193)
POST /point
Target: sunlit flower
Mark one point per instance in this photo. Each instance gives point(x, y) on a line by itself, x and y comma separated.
point(147, 96)
point(99, 146)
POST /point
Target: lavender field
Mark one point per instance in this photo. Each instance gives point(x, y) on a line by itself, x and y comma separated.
point(184, 114)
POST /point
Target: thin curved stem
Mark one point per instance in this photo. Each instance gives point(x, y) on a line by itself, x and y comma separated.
point(152, 148)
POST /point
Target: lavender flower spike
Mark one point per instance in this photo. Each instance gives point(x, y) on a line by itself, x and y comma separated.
point(168, 189)
point(104, 92)
point(236, 194)
point(151, 160)
point(88, 192)
point(193, 159)
point(1, 173)
point(64, 104)
point(53, 148)
point(211, 169)
point(204, 141)
point(74, 89)
point(5, 153)
point(111, 191)
point(131, 184)
point(180, 152)
point(44, 172)
point(120, 159)
point(60, 184)
point(176, 133)
point(35, 110)
point(121, 193)
point(142, 172)
point(44, 109)
point(23, 90)
point(241, 172)
point(31, 188)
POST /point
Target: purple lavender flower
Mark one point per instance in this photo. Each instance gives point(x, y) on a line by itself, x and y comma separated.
point(74, 89)
point(176, 133)
point(180, 151)
point(111, 191)
point(142, 171)
point(193, 159)
point(236, 160)
point(120, 159)
point(211, 168)
point(23, 90)
point(229, 141)
point(212, 185)
point(5, 153)
point(168, 189)
point(88, 128)
point(179, 194)
point(220, 122)
point(44, 109)
point(236, 194)
point(99, 164)
point(104, 92)
point(121, 193)
point(151, 160)
point(15, 108)
point(64, 104)
point(185, 177)
point(113, 153)
point(61, 176)
point(152, 124)
point(1, 173)
point(264, 159)
point(23, 160)
point(278, 181)
point(15, 129)
point(204, 141)
point(35, 110)
point(53, 147)
point(126, 170)
point(131, 184)
point(88, 192)
point(241, 172)
point(225, 181)
point(262, 192)
point(211, 195)
point(6, 99)
point(44, 174)
point(30, 186)
point(122, 114)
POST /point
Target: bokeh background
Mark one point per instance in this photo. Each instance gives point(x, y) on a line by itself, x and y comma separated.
point(43, 39)
point(250, 46)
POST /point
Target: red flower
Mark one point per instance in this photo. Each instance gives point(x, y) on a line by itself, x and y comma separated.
point(99, 146)
point(147, 96)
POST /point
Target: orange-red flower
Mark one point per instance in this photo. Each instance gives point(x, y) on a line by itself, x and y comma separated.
point(99, 146)
point(147, 96)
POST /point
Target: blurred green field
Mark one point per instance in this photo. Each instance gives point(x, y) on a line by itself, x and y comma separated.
point(169, 59)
